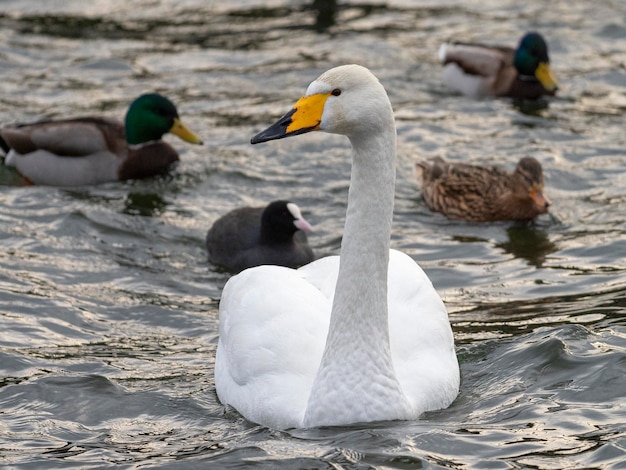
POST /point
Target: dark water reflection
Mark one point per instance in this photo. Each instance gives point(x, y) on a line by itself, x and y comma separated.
point(147, 204)
point(530, 243)
point(108, 308)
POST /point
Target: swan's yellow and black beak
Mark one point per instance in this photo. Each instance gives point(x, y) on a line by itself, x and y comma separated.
point(182, 131)
point(545, 77)
point(305, 116)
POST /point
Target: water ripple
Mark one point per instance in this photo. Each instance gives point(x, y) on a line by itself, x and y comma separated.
point(108, 306)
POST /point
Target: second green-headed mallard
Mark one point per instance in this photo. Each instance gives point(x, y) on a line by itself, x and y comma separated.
point(479, 70)
point(483, 194)
point(92, 150)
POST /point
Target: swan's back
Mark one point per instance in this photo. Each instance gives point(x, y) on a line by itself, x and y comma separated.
point(422, 344)
point(268, 357)
point(269, 351)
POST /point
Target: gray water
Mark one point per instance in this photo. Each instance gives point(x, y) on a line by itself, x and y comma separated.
point(108, 307)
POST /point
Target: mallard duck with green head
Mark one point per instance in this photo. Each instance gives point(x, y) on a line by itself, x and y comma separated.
point(92, 150)
point(480, 71)
point(483, 194)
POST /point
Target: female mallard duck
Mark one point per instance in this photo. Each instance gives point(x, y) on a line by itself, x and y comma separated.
point(479, 71)
point(91, 150)
point(252, 236)
point(483, 194)
point(345, 339)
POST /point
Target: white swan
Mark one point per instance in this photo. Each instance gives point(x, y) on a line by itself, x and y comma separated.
point(357, 338)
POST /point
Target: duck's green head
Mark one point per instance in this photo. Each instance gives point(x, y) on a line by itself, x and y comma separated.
point(531, 59)
point(152, 115)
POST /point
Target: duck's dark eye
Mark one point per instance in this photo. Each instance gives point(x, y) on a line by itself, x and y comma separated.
point(336, 92)
point(161, 111)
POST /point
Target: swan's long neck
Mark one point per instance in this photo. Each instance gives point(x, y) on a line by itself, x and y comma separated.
point(357, 360)
point(360, 303)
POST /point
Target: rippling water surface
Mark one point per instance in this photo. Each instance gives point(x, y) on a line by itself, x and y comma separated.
point(108, 307)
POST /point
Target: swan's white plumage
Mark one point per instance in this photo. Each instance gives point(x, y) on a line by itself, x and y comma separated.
point(268, 353)
point(360, 338)
point(269, 380)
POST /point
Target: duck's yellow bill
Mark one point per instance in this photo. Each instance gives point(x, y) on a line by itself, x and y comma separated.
point(545, 77)
point(180, 130)
point(305, 116)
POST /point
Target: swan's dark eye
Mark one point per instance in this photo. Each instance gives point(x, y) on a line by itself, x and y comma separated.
point(336, 92)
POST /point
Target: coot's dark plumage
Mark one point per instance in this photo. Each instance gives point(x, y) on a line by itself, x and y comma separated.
point(253, 236)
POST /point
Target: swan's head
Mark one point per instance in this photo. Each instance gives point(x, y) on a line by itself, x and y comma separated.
point(345, 100)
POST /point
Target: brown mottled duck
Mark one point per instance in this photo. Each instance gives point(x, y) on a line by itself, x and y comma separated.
point(483, 194)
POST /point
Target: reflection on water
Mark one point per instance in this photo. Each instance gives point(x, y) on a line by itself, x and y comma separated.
point(146, 204)
point(10, 177)
point(529, 243)
point(531, 107)
point(106, 294)
point(326, 14)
